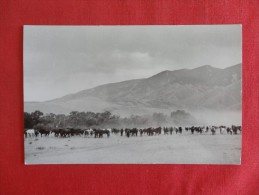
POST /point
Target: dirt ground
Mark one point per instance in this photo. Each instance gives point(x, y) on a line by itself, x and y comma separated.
point(162, 149)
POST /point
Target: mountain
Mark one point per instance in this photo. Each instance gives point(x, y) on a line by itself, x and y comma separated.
point(202, 88)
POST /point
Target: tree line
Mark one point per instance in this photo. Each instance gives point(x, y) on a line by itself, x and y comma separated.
point(104, 119)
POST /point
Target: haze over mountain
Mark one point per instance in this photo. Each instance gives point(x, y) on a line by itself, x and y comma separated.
point(200, 89)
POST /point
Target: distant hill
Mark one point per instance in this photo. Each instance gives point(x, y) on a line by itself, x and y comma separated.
point(202, 88)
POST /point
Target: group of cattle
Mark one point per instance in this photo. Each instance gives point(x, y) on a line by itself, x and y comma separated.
point(98, 133)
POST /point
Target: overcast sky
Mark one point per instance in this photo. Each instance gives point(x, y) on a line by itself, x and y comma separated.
point(59, 60)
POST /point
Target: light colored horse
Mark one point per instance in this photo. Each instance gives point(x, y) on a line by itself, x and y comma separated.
point(88, 132)
point(30, 133)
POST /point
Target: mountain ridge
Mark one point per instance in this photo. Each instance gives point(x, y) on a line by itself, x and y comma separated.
point(204, 87)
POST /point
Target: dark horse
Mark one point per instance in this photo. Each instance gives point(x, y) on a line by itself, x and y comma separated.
point(42, 131)
point(166, 130)
point(179, 130)
point(98, 133)
point(157, 131)
point(213, 131)
point(235, 129)
point(134, 132)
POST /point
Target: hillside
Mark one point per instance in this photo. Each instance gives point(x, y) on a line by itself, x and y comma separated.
point(202, 88)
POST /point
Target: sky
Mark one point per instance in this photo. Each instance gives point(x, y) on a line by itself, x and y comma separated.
point(60, 60)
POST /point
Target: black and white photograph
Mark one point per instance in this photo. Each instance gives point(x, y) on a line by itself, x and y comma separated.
point(132, 94)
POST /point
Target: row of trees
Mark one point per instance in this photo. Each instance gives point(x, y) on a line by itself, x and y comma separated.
point(103, 119)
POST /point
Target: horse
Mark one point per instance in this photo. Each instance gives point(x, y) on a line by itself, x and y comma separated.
point(107, 132)
point(222, 129)
point(43, 131)
point(127, 132)
point(180, 130)
point(64, 132)
point(213, 131)
point(98, 133)
point(166, 130)
point(134, 132)
point(31, 133)
point(25, 133)
point(171, 130)
point(157, 131)
point(88, 132)
point(115, 131)
point(56, 132)
point(229, 131)
point(141, 132)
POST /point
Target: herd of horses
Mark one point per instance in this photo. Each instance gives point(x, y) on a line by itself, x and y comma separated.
point(98, 133)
